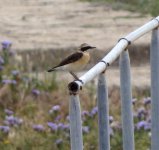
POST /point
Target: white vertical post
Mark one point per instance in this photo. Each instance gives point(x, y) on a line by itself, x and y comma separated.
point(75, 123)
point(126, 102)
point(103, 114)
point(154, 59)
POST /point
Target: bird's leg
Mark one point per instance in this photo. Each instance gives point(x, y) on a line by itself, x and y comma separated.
point(75, 77)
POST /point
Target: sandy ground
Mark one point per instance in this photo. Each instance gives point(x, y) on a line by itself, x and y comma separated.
point(43, 24)
point(139, 77)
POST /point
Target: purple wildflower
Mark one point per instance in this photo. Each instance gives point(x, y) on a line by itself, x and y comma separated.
point(6, 44)
point(8, 81)
point(58, 118)
point(13, 121)
point(15, 72)
point(85, 113)
point(147, 101)
point(5, 129)
point(38, 127)
point(60, 126)
point(143, 125)
point(140, 124)
point(94, 111)
point(55, 108)
point(8, 112)
point(53, 126)
point(35, 92)
point(141, 113)
point(10, 120)
point(66, 127)
point(85, 129)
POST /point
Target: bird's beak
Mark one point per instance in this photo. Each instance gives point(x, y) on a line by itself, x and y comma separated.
point(92, 47)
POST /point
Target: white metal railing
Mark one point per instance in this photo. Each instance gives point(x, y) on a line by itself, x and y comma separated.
point(126, 93)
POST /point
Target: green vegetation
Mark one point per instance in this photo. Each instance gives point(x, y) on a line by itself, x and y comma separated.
point(143, 6)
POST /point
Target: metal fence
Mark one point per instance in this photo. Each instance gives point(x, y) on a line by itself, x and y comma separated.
point(121, 49)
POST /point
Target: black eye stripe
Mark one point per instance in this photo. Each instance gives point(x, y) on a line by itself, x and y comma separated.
point(85, 48)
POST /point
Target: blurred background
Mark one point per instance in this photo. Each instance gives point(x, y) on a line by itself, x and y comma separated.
point(35, 35)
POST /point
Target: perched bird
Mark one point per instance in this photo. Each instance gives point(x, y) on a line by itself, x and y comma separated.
point(76, 61)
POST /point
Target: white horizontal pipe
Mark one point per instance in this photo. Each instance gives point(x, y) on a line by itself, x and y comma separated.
point(117, 50)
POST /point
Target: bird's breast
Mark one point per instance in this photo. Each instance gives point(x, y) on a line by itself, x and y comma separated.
point(80, 64)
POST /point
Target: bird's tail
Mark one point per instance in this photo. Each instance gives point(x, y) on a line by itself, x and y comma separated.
point(52, 69)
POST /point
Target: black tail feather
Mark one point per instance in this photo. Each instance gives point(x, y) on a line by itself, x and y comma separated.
point(53, 69)
point(50, 70)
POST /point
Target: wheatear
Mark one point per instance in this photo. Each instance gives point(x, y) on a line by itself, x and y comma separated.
point(76, 61)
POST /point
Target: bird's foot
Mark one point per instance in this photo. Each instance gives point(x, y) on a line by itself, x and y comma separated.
point(76, 78)
point(79, 80)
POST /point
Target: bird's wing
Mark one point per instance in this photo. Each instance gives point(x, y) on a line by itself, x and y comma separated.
point(70, 59)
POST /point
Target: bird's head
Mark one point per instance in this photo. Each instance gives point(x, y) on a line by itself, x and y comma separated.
point(84, 47)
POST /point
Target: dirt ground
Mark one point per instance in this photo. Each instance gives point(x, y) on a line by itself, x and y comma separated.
point(43, 24)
